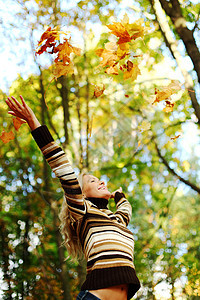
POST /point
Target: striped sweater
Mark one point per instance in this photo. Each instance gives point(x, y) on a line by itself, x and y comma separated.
point(107, 243)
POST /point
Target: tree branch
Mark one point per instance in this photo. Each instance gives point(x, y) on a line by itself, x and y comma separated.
point(165, 162)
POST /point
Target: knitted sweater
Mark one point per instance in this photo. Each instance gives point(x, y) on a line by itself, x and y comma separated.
point(107, 243)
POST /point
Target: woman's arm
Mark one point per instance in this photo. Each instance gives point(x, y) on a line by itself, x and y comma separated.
point(124, 209)
point(54, 155)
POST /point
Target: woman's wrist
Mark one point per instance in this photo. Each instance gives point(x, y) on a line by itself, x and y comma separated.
point(33, 123)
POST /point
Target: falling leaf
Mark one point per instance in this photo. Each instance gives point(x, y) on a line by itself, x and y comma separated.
point(50, 40)
point(127, 96)
point(144, 126)
point(7, 136)
point(127, 31)
point(109, 57)
point(61, 68)
point(120, 31)
point(17, 123)
point(132, 71)
point(98, 91)
point(169, 106)
point(176, 137)
point(165, 92)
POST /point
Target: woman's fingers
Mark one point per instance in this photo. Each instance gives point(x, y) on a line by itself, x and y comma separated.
point(16, 102)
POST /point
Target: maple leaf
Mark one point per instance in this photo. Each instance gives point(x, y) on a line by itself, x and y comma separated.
point(7, 136)
point(132, 71)
point(120, 31)
point(126, 31)
point(144, 126)
point(109, 57)
point(165, 92)
point(17, 123)
point(61, 68)
point(98, 91)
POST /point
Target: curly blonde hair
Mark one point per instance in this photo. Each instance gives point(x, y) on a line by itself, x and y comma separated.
point(71, 240)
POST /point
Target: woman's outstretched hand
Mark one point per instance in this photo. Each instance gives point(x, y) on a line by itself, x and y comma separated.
point(22, 111)
point(113, 193)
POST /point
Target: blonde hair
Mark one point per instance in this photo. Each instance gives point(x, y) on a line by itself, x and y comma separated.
point(71, 240)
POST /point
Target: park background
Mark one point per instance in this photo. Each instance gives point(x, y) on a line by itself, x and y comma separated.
point(119, 137)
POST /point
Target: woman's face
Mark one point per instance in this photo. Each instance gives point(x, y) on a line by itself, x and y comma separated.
point(93, 187)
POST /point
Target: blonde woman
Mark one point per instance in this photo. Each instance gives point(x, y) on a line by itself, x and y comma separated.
point(87, 224)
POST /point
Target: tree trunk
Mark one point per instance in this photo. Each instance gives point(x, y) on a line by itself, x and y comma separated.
point(173, 10)
point(172, 45)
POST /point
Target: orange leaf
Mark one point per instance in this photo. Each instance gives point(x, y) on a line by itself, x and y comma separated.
point(7, 136)
point(176, 137)
point(98, 91)
point(166, 91)
point(120, 31)
point(17, 123)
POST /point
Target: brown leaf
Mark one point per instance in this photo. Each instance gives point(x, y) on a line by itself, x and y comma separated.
point(176, 137)
point(7, 136)
point(98, 91)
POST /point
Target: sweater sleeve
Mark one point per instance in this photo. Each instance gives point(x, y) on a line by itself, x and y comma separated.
point(57, 160)
point(124, 209)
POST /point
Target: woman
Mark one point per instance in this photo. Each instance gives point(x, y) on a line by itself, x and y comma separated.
point(86, 221)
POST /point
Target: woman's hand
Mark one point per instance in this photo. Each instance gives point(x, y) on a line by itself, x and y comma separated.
point(22, 111)
point(113, 193)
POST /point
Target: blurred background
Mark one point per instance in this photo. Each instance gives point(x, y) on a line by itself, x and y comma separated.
point(119, 137)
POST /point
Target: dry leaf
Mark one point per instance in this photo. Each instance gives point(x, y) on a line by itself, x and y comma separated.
point(165, 92)
point(17, 123)
point(132, 72)
point(7, 136)
point(169, 106)
point(176, 137)
point(98, 91)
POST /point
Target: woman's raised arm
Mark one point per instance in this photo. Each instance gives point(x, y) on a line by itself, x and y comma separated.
point(55, 156)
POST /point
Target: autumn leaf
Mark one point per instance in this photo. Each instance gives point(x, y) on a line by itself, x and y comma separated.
point(169, 106)
point(109, 57)
point(50, 39)
point(126, 31)
point(144, 126)
point(175, 138)
point(61, 68)
point(7, 136)
point(98, 91)
point(120, 31)
point(17, 123)
point(132, 71)
point(165, 92)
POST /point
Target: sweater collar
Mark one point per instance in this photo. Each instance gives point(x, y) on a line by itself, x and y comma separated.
point(99, 202)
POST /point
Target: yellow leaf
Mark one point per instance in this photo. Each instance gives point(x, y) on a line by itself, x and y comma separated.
point(132, 72)
point(112, 70)
point(166, 91)
point(62, 69)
